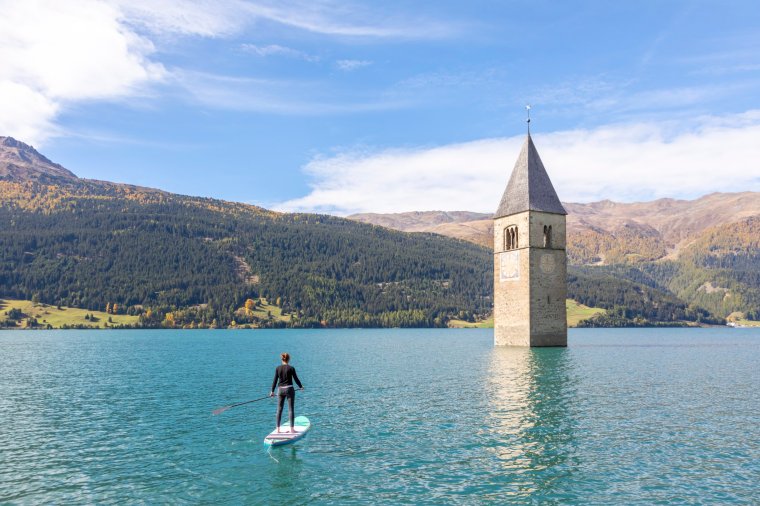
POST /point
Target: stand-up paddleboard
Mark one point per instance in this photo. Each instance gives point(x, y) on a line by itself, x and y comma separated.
point(285, 436)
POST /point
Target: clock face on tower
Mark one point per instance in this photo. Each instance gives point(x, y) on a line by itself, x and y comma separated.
point(509, 266)
point(547, 263)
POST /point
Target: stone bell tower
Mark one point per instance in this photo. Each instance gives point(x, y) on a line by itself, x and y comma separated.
point(530, 264)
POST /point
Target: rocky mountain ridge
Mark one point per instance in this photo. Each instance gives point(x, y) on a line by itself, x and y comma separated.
point(20, 162)
point(603, 232)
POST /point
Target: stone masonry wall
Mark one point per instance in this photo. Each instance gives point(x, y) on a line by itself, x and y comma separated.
point(512, 284)
point(530, 282)
point(548, 282)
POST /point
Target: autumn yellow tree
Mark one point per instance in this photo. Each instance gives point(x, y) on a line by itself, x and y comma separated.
point(249, 305)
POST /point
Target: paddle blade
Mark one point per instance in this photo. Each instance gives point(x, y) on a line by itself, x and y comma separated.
point(220, 410)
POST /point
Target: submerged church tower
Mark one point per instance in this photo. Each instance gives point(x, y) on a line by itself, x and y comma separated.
point(530, 264)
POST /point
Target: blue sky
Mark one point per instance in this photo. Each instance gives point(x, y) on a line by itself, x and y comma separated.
point(365, 106)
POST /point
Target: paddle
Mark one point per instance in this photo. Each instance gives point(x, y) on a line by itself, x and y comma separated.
point(225, 408)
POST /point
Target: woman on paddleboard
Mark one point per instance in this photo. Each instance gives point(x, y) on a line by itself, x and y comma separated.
point(285, 374)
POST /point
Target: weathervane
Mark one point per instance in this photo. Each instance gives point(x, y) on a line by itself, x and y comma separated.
point(527, 108)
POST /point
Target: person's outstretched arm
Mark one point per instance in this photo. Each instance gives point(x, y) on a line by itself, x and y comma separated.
point(295, 377)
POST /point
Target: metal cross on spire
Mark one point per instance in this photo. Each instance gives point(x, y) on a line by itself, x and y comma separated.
point(527, 108)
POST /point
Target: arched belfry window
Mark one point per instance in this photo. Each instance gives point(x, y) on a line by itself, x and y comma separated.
point(510, 238)
point(547, 236)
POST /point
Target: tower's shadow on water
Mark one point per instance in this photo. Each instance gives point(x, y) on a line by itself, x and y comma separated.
point(530, 436)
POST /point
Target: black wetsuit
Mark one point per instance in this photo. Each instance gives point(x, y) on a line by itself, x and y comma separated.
point(285, 374)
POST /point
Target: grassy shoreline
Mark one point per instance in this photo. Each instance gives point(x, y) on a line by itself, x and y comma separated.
point(575, 313)
point(53, 317)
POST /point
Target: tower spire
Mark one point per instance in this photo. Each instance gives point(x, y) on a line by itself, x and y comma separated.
point(529, 187)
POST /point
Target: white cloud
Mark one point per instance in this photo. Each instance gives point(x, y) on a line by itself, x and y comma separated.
point(279, 96)
point(53, 53)
point(277, 50)
point(206, 18)
point(627, 162)
point(212, 18)
point(25, 113)
point(345, 18)
point(349, 65)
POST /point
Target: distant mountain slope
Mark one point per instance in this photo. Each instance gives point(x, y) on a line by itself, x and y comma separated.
point(469, 226)
point(603, 232)
point(674, 220)
point(477, 231)
point(418, 221)
point(86, 243)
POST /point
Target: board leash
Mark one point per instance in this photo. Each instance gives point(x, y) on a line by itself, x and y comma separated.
point(269, 452)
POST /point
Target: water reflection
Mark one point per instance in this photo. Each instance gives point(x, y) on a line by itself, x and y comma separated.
point(285, 469)
point(531, 424)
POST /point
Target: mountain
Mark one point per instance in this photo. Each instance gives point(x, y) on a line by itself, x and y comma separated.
point(176, 260)
point(469, 226)
point(650, 230)
point(603, 232)
point(20, 162)
point(697, 251)
point(419, 221)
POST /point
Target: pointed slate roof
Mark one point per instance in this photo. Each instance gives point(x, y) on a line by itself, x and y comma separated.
point(529, 188)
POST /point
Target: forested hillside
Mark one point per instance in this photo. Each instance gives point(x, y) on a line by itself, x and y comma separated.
point(716, 275)
point(88, 244)
point(719, 271)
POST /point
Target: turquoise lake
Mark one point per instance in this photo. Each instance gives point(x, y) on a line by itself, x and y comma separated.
point(626, 416)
